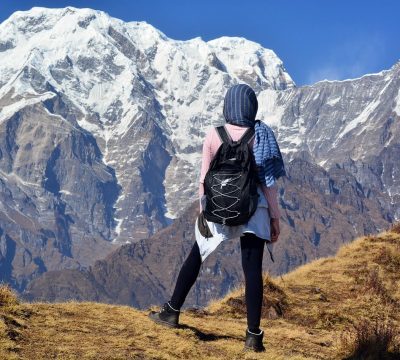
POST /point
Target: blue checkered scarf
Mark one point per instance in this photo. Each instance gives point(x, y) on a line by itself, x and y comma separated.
point(240, 108)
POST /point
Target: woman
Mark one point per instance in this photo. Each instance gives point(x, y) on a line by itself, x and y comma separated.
point(240, 108)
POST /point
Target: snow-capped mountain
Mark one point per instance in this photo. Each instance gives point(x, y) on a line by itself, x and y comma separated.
point(102, 121)
point(352, 124)
point(123, 79)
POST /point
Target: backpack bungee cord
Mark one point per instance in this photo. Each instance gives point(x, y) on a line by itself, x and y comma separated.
point(220, 183)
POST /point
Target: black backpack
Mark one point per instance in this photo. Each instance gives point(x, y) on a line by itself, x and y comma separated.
point(230, 184)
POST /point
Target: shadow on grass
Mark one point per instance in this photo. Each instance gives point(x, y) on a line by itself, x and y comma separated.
point(202, 336)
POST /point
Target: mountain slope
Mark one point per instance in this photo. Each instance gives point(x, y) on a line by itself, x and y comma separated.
point(101, 126)
point(169, 87)
point(112, 111)
point(310, 313)
point(352, 124)
point(144, 273)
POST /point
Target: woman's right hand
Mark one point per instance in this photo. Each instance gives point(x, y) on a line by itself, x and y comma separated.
point(275, 231)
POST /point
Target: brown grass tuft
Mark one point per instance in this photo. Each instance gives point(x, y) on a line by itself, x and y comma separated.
point(395, 228)
point(12, 322)
point(274, 302)
point(7, 296)
point(389, 259)
point(375, 284)
point(275, 299)
point(372, 340)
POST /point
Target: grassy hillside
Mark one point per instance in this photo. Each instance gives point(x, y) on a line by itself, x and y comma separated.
point(341, 307)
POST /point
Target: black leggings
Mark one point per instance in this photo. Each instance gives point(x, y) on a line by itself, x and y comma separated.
point(252, 248)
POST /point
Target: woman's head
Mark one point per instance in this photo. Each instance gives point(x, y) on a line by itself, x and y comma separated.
point(240, 105)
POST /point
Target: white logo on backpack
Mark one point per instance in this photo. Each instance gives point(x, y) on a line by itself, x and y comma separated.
point(225, 182)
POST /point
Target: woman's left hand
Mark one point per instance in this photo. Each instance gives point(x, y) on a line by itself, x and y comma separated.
point(275, 231)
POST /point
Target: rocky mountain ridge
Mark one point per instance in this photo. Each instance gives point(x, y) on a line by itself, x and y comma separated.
point(102, 121)
point(144, 273)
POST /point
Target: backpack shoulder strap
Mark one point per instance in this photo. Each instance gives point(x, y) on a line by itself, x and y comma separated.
point(248, 135)
point(224, 135)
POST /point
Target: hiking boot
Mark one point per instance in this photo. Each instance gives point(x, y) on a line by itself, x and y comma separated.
point(166, 316)
point(254, 341)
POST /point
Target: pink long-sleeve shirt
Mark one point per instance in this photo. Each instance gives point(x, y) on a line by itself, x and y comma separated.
point(210, 146)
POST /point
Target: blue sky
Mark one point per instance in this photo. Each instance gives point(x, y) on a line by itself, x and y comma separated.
point(316, 39)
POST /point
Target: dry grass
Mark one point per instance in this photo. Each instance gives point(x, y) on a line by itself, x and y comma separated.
point(333, 308)
point(12, 322)
point(234, 305)
point(378, 339)
point(395, 228)
point(7, 297)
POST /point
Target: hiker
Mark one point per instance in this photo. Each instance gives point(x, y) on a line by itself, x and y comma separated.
point(240, 108)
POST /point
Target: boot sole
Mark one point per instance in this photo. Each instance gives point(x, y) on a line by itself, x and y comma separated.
point(161, 322)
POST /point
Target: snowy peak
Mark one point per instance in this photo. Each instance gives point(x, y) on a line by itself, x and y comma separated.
point(99, 62)
point(69, 23)
point(372, 76)
point(27, 24)
point(242, 56)
point(116, 78)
